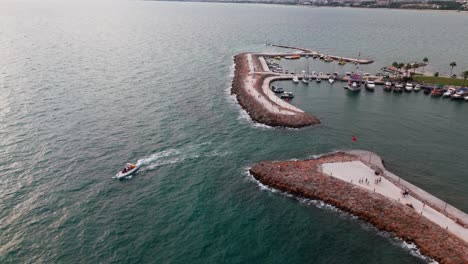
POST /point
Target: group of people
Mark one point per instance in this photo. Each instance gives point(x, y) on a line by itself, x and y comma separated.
point(128, 168)
point(366, 181)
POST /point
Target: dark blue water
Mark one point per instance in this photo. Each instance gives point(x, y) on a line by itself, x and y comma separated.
point(88, 87)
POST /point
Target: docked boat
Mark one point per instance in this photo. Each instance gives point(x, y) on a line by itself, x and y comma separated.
point(354, 83)
point(277, 58)
point(437, 92)
point(327, 59)
point(409, 87)
point(388, 86)
point(318, 79)
point(295, 79)
point(287, 95)
point(129, 169)
point(331, 80)
point(427, 89)
point(341, 62)
point(370, 86)
point(398, 88)
point(466, 98)
point(460, 94)
point(277, 89)
point(417, 88)
point(449, 92)
point(305, 80)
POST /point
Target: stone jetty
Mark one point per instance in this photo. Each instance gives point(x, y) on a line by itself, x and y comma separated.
point(352, 182)
point(251, 87)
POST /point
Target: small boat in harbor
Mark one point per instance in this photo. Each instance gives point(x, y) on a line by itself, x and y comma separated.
point(341, 62)
point(388, 86)
point(354, 83)
point(318, 80)
point(277, 58)
point(466, 98)
point(331, 80)
point(277, 89)
point(460, 94)
point(437, 92)
point(327, 59)
point(427, 89)
point(295, 79)
point(287, 95)
point(409, 87)
point(417, 88)
point(449, 92)
point(305, 80)
point(128, 170)
point(398, 88)
point(370, 86)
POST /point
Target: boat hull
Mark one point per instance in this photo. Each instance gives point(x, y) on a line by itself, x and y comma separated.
point(121, 175)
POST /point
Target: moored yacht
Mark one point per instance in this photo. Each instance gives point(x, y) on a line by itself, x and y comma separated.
point(449, 92)
point(388, 86)
point(417, 88)
point(295, 79)
point(409, 87)
point(287, 95)
point(370, 86)
point(318, 79)
point(398, 88)
point(354, 83)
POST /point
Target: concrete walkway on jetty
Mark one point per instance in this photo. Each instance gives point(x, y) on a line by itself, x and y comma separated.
point(362, 173)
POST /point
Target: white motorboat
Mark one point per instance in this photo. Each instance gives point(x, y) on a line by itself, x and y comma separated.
point(318, 79)
point(466, 98)
point(370, 85)
point(388, 86)
point(409, 87)
point(460, 94)
point(331, 80)
point(449, 92)
point(295, 79)
point(417, 88)
point(129, 169)
point(287, 95)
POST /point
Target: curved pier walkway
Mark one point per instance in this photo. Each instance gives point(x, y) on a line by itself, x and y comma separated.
point(251, 84)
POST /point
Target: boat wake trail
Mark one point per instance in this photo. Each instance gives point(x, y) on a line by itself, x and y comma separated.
point(172, 156)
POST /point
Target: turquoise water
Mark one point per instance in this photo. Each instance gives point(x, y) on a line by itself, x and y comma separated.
point(89, 87)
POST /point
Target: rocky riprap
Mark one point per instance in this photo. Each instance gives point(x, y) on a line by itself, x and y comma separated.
point(303, 178)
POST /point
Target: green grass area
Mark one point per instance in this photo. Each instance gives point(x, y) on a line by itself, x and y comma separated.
point(439, 80)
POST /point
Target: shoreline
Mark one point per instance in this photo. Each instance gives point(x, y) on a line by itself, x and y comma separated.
point(249, 84)
point(408, 217)
point(313, 6)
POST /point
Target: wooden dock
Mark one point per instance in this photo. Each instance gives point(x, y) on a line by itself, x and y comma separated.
point(308, 52)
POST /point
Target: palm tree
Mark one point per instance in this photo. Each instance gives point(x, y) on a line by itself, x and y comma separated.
point(407, 67)
point(395, 65)
point(425, 60)
point(465, 76)
point(452, 64)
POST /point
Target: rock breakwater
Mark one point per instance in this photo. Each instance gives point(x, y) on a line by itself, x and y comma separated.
point(262, 108)
point(305, 179)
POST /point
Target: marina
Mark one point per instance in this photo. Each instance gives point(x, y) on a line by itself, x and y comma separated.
point(89, 86)
point(354, 80)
